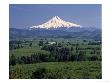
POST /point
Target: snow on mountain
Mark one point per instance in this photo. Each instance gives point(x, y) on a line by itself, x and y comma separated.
point(56, 22)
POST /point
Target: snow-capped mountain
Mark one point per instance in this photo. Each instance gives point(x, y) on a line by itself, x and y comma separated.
point(56, 22)
point(57, 28)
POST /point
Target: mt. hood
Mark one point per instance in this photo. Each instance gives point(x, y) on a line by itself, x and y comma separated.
point(57, 28)
point(56, 22)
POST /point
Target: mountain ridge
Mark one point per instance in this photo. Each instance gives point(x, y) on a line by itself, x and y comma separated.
point(76, 33)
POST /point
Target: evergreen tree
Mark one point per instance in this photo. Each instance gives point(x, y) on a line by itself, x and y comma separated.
point(40, 43)
point(12, 60)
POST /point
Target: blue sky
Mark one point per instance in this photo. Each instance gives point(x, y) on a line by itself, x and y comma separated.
point(27, 15)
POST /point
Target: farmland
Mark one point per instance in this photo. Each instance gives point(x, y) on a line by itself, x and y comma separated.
point(55, 58)
point(58, 70)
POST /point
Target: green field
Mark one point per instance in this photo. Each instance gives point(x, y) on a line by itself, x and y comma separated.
point(53, 58)
point(53, 70)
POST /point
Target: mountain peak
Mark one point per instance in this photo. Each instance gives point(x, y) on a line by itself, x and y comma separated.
point(56, 17)
point(56, 22)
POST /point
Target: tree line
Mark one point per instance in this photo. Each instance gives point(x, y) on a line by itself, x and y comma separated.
point(57, 54)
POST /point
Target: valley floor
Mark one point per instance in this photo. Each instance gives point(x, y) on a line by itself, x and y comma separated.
point(55, 58)
point(57, 70)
